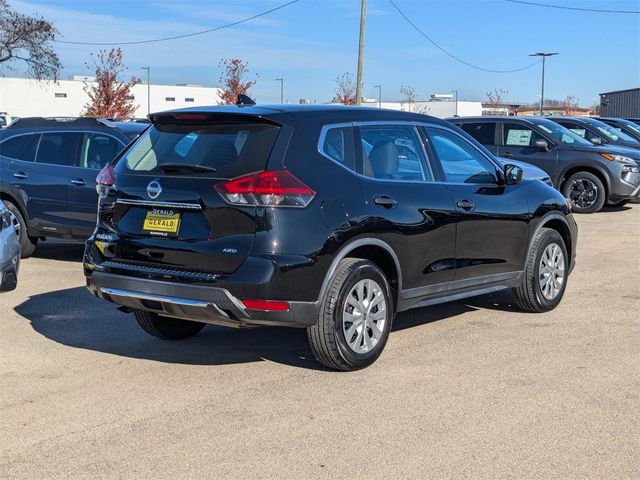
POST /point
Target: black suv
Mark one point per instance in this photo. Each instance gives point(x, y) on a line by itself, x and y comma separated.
point(589, 175)
point(330, 218)
point(48, 168)
point(597, 131)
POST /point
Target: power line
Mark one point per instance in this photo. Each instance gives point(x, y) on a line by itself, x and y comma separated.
point(176, 37)
point(597, 10)
point(415, 27)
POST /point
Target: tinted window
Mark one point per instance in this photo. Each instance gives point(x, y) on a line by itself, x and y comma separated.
point(22, 147)
point(59, 148)
point(231, 149)
point(97, 150)
point(516, 135)
point(338, 146)
point(461, 162)
point(393, 152)
point(485, 132)
point(575, 128)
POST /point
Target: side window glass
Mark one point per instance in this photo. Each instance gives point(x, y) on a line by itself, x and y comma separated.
point(575, 128)
point(338, 146)
point(394, 152)
point(484, 132)
point(59, 148)
point(98, 150)
point(516, 135)
point(460, 161)
point(22, 147)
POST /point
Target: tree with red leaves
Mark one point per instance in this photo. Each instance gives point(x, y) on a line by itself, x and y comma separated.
point(109, 96)
point(231, 80)
point(345, 89)
point(570, 105)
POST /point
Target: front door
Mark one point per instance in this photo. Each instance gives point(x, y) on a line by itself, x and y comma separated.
point(413, 213)
point(492, 218)
point(518, 142)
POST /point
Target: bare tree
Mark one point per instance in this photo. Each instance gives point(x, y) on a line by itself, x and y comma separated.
point(232, 80)
point(110, 96)
point(345, 89)
point(495, 100)
point(408, 97)
point(570, 105)
point(28, 39)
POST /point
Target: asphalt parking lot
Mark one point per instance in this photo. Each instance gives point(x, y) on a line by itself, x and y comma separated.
point(473, 389)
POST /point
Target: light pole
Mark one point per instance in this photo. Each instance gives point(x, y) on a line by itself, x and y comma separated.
point(544, 56)
point(363, 21)
point(456, 92)
point(281, 80)
point(379, 87)
point(148, 69)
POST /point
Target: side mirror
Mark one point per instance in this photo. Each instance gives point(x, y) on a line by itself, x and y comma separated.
point(541, 144)
point(512, 174)
point(596, 140)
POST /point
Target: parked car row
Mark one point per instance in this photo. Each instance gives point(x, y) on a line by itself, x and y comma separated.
point(590, 174)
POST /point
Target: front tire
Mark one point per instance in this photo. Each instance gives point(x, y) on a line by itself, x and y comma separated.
point(27, 243)
point(355, 318)
point(545, 274)
point(167, 328)
point(585, 191)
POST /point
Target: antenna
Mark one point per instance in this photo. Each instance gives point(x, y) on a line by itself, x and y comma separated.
point(244, 100)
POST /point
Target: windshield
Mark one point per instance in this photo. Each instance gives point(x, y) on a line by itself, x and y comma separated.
point(612, 134)
point(561, 134)
point(627, 124)
point(230, 150)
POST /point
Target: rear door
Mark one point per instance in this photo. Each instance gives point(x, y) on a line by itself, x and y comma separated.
point(492, 219)
point(518, 142)
point(167, 208)
point(484, 132)
point(413, 213)
point(96, 150)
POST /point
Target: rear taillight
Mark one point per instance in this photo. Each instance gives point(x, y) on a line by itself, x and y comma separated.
point(105, 179)
point(278, 188)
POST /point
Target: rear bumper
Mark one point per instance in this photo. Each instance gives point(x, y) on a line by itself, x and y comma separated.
point(194, 302)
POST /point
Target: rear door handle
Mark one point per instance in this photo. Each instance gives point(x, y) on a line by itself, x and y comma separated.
point(506, 154)
point(20, 174)
point(466, 205)
point(79, 182)
point(384, 201)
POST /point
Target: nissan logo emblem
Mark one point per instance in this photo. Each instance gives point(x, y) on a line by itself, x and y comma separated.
point(154, 189)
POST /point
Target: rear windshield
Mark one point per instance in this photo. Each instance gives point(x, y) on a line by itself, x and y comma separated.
point(229, 150)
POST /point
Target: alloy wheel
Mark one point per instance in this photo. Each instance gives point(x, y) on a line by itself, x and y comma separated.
point(15, 222)
point(583, 193)
point(551, 273)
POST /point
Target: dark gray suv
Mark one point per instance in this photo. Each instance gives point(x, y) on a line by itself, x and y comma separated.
point(589, 175)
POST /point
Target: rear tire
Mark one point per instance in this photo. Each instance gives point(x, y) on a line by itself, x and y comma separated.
point(167, 328)
point(585, 191)
point(27, 244)
point(545, 274)
point(355, 317)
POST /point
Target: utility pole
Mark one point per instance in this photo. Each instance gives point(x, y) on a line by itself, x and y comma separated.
point(281, 80)
point(363, 21)
point(456, 92)
point(544, 56)
point(379, 87)
point(148, 69)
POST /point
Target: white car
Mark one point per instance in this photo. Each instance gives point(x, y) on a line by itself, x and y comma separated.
point(9, 250)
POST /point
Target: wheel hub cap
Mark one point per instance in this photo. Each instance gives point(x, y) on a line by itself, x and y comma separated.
point(364, 316)
point(551, 272)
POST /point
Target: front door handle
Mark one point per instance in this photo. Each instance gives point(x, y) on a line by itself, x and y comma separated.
point(466, 205)
point(506, 154)
point(384, 201)
point(79, 182)
point(20, 174)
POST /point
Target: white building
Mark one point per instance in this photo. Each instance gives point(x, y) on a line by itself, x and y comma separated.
point(435, 108)
point(23, 97)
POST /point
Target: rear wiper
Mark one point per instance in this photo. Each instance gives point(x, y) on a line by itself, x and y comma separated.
point(184, 167)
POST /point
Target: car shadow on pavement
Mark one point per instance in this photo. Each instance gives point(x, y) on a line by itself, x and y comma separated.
point(55, 250)
point(75, 318)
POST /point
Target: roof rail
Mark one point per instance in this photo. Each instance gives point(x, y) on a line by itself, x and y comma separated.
point(30, 122)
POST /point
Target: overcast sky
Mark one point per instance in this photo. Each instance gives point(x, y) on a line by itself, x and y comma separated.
point(311, 42)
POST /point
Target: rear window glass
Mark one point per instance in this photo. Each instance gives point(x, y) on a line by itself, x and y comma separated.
point(483, 132)
point(231, 149)
point(21, 147)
